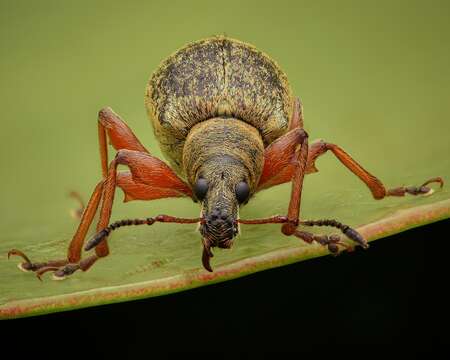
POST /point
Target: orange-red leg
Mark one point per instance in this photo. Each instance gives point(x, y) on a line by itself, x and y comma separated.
point(376, 187)
point(120, 136)
point(145, 165)
point(102, 250)
point(287, 159)
point(300, 162)
point(111, 126)
point(279, 167)
point(284, 162)
point(150, 172)
point(297, 115)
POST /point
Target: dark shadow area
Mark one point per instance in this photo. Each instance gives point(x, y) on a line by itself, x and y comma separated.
point(393, 293)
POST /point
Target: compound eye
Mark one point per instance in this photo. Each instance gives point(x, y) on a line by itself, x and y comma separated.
point(242, 192)
point(200, 188)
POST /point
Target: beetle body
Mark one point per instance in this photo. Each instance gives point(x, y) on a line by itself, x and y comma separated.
point(216, 78)
point(225, 117)
point(215, 105)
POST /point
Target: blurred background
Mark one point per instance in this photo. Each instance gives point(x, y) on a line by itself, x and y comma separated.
point(369, 74)
point(373, 77)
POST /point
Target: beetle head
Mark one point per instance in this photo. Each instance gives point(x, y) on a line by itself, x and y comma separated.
point(223, 161)
point(221, 186)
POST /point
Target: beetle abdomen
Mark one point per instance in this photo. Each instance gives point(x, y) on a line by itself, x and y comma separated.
point(216, 77)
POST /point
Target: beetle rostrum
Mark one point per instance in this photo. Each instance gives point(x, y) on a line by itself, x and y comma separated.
point(226, 120)
point(223, 161)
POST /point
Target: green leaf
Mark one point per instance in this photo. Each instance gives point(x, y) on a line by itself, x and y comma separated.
point(162, 261)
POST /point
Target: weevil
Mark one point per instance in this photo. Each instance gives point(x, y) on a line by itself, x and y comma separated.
point(227, 121)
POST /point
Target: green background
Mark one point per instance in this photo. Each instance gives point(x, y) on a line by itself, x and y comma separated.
point(373, 78)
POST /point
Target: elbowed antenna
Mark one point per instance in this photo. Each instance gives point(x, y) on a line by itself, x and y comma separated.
point(100, 236)
point(324, 240)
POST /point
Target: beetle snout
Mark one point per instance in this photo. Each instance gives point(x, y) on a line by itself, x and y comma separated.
point(220, 228)
point(219, 217)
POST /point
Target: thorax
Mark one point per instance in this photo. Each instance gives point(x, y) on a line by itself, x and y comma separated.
point(223, 143)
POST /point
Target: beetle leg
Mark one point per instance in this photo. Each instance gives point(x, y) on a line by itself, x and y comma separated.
point(28, 265)
point(109, 188)
point(300, 161)
point(415, 190)
point(136, 157)
point(104, 191)
point(74, 250)
point(288, 159)
point(279, 168)
point(281, 159)
point(120, 135)
point(285, 162)
point(61, 272)
point(141, 165)
point(373, 183)
point(297, 115)
point(156, 178)
point(135, 190)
